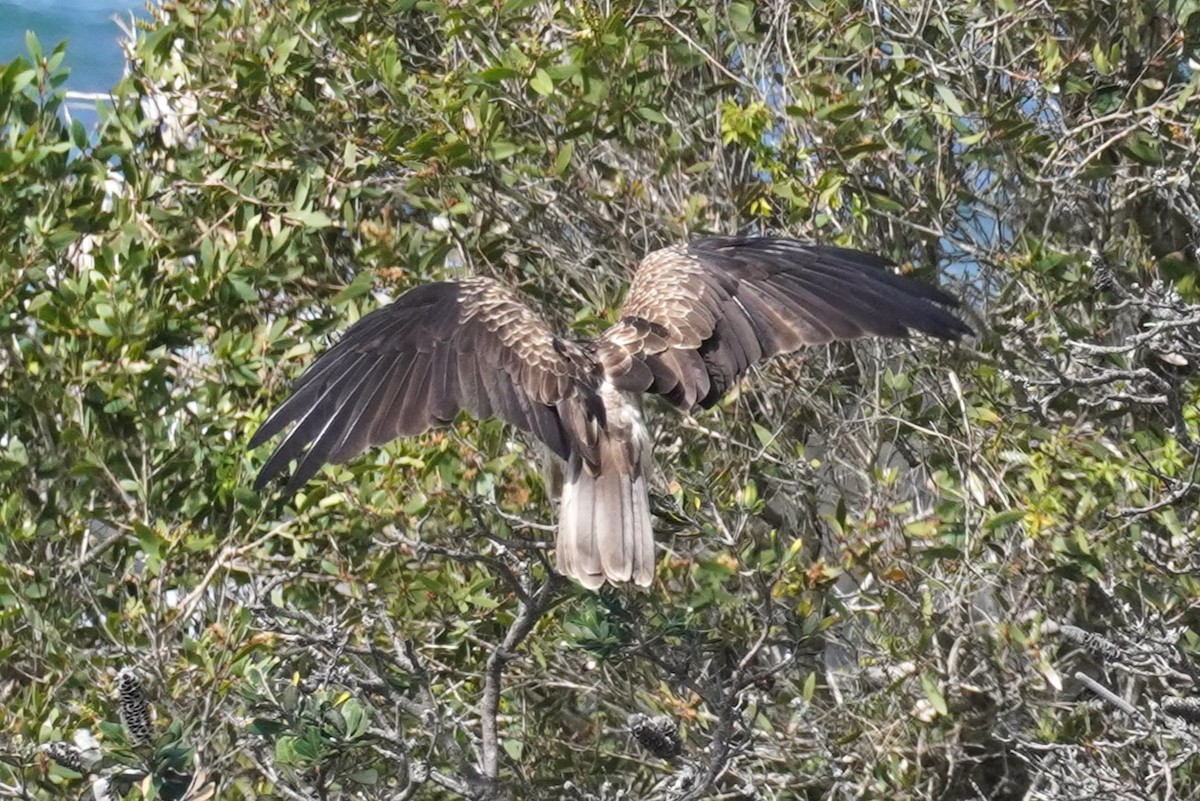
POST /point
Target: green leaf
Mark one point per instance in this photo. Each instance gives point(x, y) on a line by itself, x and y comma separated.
point(541, 83)
point(514, 749)
point(368, 776)
point(308, 219)
point(498, 74)
point(22, 79)
point(513, 6)
point(741, 16)
point(810, 687)
point(563, 160)
point(1003, 519)
point(78, 134)
point(764, 435)
point(884, 202)
point(503, 149)
point(949, 99)
point(361, 285)
point(242, 289)
point(33, 46)
point(100, 327)
point(346, 14)
point(1144, 148)
point(358, 719)
point(285, 751)
point(652, 115)
point(64, 772)
point(936, 699)
point(972, 139)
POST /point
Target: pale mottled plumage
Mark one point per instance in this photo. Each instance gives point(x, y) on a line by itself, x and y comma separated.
point(696, 317)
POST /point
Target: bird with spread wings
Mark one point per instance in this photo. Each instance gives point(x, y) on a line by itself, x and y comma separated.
point(696, 317)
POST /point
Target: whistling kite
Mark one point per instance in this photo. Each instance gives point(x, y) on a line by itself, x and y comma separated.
point(697, 316)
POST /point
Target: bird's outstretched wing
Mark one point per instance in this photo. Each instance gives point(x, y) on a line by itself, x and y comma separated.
point(439, 349)
point(698, 315)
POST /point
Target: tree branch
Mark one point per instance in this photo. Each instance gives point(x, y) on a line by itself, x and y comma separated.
point(528, 615)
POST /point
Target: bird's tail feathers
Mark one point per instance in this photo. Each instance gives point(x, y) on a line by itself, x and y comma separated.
point(604, 530)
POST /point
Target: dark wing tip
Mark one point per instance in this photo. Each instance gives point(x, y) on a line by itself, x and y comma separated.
point(325, 407)
point(916, 306)
point(945, 325)
point(267, 429)
point(274, 465)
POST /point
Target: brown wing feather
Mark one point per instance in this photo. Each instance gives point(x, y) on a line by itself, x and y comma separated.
point(698, 315)
point(438, 349)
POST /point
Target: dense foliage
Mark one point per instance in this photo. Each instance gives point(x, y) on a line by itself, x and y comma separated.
point(893, 570)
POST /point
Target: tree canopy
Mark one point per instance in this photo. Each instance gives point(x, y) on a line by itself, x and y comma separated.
point(888, 570)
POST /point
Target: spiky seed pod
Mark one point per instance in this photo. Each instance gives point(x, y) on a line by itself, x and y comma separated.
point(65, 754)
point(135, 710)
point(1090, 640)
point(1103, 279)
point(659, 735)
point(1183, 708)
